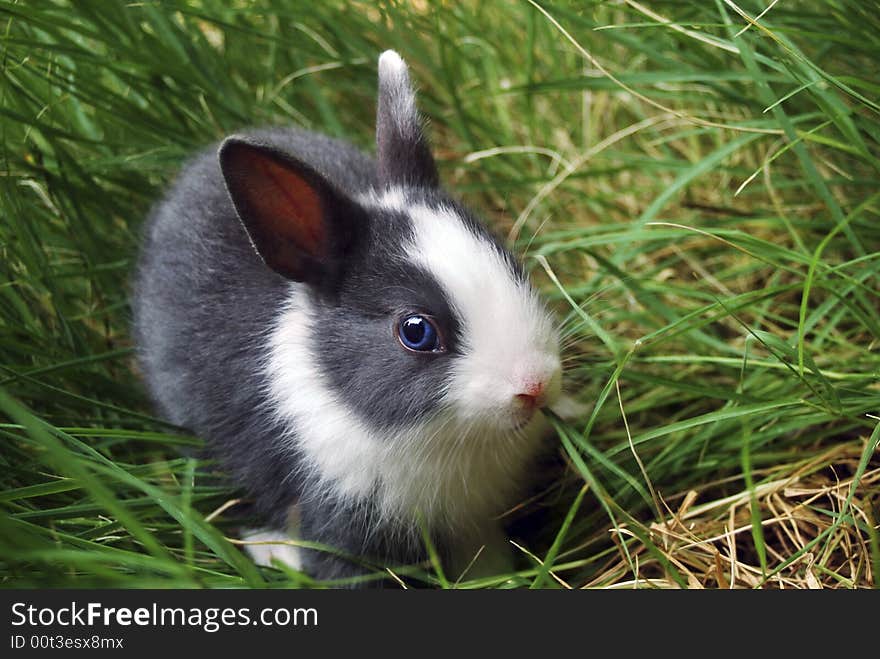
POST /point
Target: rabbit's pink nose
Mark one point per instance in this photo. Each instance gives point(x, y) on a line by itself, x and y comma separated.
point(532, 396)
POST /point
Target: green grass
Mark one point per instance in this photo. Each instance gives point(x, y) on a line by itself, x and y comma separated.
point(695, 192)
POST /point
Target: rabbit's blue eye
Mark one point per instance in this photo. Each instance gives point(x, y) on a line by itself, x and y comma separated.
point(418, 333)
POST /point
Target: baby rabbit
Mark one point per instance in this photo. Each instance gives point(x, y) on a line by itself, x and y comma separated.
point(361, 355)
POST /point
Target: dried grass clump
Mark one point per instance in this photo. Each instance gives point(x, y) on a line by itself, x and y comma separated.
point(812, 536)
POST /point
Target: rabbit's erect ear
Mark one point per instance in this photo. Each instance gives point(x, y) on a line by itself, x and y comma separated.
point(402, 151)
point(299, 224)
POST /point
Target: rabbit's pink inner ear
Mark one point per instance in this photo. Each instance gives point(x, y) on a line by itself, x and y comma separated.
point(284, 205)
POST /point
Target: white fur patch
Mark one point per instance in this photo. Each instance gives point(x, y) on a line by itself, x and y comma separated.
point(461, 466)
point(391, 64)
point(332, 437)
point(266, 545)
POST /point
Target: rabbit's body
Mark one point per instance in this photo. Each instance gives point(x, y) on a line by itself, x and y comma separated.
point(277, 300)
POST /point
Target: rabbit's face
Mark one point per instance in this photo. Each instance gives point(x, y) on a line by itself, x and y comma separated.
point(435, 319)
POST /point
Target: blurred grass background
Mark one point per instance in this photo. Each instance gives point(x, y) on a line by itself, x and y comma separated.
point(694, 185)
